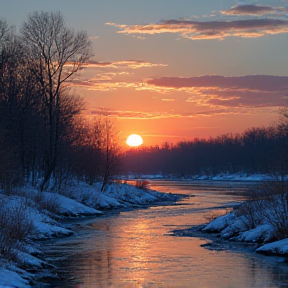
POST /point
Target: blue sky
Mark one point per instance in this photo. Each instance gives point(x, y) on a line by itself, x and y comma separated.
point(156, 62)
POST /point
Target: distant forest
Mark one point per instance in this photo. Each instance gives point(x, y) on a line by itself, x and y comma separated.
point(257, 150)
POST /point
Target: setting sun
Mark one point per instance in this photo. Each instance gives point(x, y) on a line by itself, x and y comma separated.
point(134, 140)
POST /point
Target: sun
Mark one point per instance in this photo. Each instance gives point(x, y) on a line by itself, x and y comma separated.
point(134, 140)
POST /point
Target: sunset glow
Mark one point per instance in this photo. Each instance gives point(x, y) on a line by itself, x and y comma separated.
point(195, 70)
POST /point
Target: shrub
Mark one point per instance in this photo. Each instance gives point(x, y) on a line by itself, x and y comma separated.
point(248, 214)
point(15, 226)
point(45, 202)
point(270, 201)
point(142, 184)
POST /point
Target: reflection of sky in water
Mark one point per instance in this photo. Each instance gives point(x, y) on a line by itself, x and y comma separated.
point(133, 250)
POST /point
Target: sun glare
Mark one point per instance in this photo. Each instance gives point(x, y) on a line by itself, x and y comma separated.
point(134, 140)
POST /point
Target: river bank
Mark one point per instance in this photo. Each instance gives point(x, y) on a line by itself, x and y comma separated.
point(46, 215)
point(113, 225)
point(259, 223)
point(134, 248)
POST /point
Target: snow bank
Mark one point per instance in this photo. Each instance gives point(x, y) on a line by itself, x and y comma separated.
point(240, 177)
point(263, 233)
point(70, 207)
point(46, 209)
point(275, 248)
point(231, 227)
point(115, 195)
point(219, 223)
point(45, 227)
point(11, 279)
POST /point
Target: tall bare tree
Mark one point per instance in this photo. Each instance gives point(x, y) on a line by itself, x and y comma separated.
point(59, 53)
point(110, 149)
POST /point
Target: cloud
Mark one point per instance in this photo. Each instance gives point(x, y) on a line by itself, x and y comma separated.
point(146, 115)
point(111, 75)
point(253, 10)
point(253, 91)
point(168, 99)
point(195, 30)
point(136, 114)
point(103, 84)
point(132, 64)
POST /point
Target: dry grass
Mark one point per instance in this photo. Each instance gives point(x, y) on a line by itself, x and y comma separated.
point(269, 202)
point(15, 227)
point(142, 184)
point(50, 204)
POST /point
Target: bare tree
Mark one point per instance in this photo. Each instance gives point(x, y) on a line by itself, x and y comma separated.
point(59, 53)
point(4, 32)
point(86, 152)
point(4, 37)
point(110, 148)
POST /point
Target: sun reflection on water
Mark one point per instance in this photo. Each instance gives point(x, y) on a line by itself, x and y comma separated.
point(134, 250)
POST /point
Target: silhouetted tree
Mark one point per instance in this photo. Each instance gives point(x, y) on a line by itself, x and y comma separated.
point(110, 149)
point(59, 53)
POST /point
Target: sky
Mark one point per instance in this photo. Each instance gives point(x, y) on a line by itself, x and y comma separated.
point(175, 70)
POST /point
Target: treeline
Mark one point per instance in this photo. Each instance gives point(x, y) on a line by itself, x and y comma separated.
point(42, 135)
point(257, 150)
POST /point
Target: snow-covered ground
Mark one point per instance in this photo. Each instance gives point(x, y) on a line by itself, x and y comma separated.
point(232, 227)
point(44, 211)
point(239, 176)
point(255, 221)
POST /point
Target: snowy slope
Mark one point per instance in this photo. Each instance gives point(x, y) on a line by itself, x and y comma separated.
point(46, 209)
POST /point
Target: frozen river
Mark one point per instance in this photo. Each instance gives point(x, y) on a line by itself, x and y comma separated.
point(136, 249)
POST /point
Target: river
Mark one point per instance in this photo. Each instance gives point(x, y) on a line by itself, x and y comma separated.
point(136, 249)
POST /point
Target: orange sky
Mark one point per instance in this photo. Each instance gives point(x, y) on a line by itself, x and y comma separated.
point(175, 70)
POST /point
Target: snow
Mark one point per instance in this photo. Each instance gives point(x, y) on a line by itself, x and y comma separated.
point(240, 177)
point(219, 223)
point(278, 247)
point(260, 233)
point(70, 207)
point(46, 209)
point(45, 227)
point(12, 279)
point(234, 228)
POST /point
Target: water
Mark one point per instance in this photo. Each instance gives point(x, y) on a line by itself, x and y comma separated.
point(136, 249)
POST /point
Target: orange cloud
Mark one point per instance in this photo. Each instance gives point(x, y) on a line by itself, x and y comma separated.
point(168, 99)
point(253, 91)
point(249, 28)
point(110, 75)
point(103, 84)
point(132, 64)
point(137, 115)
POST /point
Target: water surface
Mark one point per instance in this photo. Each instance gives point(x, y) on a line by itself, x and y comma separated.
point(135, 248)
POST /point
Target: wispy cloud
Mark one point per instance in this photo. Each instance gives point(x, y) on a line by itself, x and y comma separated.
point(123, 114)
point(212, 91)
point(254, 10)
point(133, 64)
point(244, 91)
point(111, 75)
point(194, 113)
point(168, 99)
point(100, 84)
point(249, 28)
